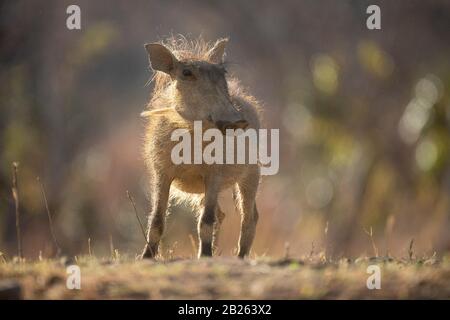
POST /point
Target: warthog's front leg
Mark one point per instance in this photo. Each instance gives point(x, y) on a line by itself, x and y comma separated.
point(220, 215)
point(156, 220)
point(246, 192)
point(208, 216)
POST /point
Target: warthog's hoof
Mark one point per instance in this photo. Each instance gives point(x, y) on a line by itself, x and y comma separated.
point(148, 253)
point(205, 250)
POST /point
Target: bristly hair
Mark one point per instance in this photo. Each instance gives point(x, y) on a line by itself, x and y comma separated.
point(184, 50)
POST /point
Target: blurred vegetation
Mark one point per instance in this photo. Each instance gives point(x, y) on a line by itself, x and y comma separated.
point(364, 120)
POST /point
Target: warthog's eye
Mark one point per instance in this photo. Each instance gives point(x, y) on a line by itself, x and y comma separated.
point(187, 73)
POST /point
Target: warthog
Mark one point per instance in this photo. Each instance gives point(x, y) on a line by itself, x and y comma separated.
point(191, 84)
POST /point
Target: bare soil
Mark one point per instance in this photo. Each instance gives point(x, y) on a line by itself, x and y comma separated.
point(225, 278)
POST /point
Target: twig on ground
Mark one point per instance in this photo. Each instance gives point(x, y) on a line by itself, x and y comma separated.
point(130, 197)
point(311, 253)
point(111, 246)
point(50, 220)
point(15, 193)
point(89, 247)
point(325, 251)
point(388, 229)
point(410, 250)
point(374, 247)
point(286, 250)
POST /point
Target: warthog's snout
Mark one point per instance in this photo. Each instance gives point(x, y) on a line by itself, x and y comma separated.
point(224, 125)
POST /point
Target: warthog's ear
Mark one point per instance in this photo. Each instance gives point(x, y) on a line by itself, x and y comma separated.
point(217, 53)
point(161, 59)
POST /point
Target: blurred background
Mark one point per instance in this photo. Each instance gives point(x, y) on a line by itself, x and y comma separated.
point(364, 119)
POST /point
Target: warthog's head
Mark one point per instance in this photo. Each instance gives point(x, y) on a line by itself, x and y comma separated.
point(199, 85)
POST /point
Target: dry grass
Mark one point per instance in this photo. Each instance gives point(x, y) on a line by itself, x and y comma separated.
point(15, 194)
point(229, 278)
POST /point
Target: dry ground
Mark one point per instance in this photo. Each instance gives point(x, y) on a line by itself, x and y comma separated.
point(226, 278)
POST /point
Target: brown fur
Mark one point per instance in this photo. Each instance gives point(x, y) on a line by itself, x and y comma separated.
point(198, 184)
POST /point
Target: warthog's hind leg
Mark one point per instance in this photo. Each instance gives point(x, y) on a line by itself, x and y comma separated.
point(246, 193)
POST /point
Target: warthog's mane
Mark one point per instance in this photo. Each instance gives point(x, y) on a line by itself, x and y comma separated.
point(184, 50)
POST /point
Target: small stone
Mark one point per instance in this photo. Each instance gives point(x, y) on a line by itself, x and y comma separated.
point(10, 290)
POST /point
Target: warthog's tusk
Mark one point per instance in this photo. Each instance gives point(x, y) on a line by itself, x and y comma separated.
point(148, 113)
